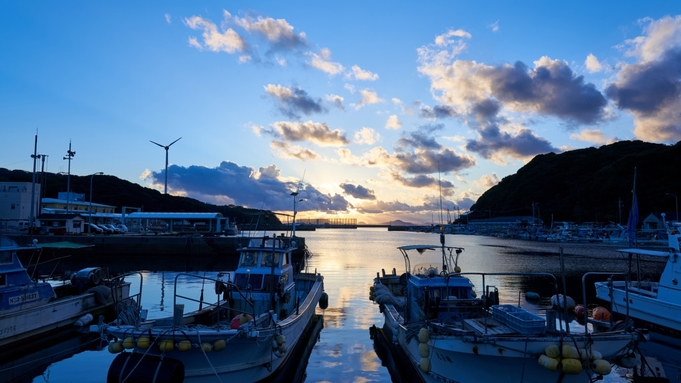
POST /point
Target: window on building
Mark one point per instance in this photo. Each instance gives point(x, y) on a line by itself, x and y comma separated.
point(14, 206)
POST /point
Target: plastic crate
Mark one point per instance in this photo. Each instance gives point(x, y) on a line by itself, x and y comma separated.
point(525, 322)
point(501, 312)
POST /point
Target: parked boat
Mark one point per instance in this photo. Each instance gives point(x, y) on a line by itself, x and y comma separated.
point(655, 302)
point(259, 313)
point(449, 334)
point(30, 308)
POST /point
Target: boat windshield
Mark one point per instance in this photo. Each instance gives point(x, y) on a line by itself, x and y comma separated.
point(267, 259)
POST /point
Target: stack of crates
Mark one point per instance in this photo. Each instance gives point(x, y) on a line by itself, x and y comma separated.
point(519, 319)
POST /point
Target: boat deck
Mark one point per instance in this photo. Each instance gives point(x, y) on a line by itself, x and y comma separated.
point(492, 327)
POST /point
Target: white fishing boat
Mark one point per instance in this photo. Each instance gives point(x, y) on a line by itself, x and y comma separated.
point(435, 318)
point(31, 308)
point(655, 302)
point(242, 332)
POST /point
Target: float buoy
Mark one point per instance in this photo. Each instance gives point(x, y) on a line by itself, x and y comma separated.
point(601, 367)
point(424, 335)
point(601, 313)
point(115, 347)
point(424, 350)
point(425, 365)
point(281, 339)
point(219, 345)
point(579, 311)
point(559, 301)
point(143, 342)
point(206, 347)
point(324, 301)
point(550, 364)
point(531, 296)
point(184, 345)
point(239, 320)
point(571, 366)
point(166, 345)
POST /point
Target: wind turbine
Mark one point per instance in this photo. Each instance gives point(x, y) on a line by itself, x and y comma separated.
point(166, 147)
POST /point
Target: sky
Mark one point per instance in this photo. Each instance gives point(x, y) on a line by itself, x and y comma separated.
point(373, 110)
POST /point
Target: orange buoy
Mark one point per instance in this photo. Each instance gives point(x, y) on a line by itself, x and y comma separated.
point(601, 313)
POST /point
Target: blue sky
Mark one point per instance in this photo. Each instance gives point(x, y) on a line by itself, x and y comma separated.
point(370, 110)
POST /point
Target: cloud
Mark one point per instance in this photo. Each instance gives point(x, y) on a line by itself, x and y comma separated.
point(368, 97)
point(494, 26)
point(360, 74)
point(317, 133)
point(424, 180)
point(445, 40)
point(421, 138)
point(323, 62)
point(549, 89)
point(393, 122)
point(438, 111)
point(593, 136)
point(229, 41)
point(493, 144)
point(592, 64)
point(660, 36)
point(336, 101)
point(167, 17)
point(487, 181)
point(427, 161)
point(286, 150)
point(278, 32)
point(358, 191)
point(294, 101)
point(245, 186)
point(366, 136)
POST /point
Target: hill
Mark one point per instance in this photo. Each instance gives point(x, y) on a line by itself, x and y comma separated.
point(111, 190)
point(589, 185)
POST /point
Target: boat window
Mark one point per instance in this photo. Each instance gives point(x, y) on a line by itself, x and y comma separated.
point(3, 280)
point(5, 257)
point(435, 293)
point(267, 260)
point(248, 259)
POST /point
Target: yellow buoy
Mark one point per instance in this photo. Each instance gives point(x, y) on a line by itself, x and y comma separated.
point(457, 269)
point(424, 350)
point(184, 345)
point(281, 339)
point(166, 345)
point(206, 347)
point(424, 335)
point(552, 351)
point(244, 318)
point(425, 365)
point(143, 342)
point(128, 342)
point(219, 345)
point(569, 352)
point(601, 367)
point(115, 347)
point(548, 363)
point(571, 366)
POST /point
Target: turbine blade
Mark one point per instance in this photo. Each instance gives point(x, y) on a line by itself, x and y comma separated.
point(157, 143)
point(174, 142)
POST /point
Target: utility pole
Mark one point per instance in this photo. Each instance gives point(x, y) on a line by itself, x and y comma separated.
point(35, 158)
point(69, 157)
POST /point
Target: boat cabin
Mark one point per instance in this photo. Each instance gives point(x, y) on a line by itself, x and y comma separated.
point(265, 264)
point(446, 298)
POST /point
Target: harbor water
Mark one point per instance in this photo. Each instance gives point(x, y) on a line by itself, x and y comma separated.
point(349, 260)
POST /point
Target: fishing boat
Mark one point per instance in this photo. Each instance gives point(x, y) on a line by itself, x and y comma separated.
point(242, 332)
point(30, 308)
point(655, 302)
point(436, 320)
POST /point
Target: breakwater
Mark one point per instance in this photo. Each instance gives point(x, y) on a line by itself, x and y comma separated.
point(122, 253)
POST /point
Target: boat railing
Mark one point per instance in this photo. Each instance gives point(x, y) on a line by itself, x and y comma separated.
point(128, 310)
point(626, 295)
point(224, 286)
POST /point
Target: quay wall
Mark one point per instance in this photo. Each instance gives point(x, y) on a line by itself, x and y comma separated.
point(122, 253)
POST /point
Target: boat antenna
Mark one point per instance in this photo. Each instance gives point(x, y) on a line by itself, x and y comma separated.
point(442, 229)
point(633, 216)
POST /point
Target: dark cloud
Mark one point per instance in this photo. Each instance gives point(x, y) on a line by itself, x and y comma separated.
point(318, 133)
point(293, 102)
point(430, 161)
point(438, 111)
point(230, 183)
point(486, 110)
point(649, 86)
point(550, 89)
point(358, 191)
point(420, 139)
point(524, 144)
point(423, 180)
point(288, 151)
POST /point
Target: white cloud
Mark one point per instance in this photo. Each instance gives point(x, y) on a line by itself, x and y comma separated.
point(592, 64)
point(593, 135)
point(168, 18)
point(494, 26)
point(661, 36)
point(229, 41)
point(361, 74)
point(367, 136)
point(368, 97)
point(323, 63)
point(393, 122)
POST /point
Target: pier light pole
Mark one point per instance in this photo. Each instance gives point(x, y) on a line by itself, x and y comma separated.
point(69, 156)
point(677, 205)
point(89, 217)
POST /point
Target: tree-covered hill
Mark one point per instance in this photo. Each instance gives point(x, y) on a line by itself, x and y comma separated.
point(111, 190)
point(586, 185)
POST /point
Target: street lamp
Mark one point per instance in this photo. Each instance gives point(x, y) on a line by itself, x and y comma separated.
point(89, 217)
point(69, 156)
point(677, 205)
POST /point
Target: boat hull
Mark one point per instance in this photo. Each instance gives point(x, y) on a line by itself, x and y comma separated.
point(645, 307)
point(22, 325)
point(248, 355)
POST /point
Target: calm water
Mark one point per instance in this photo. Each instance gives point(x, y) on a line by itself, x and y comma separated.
point(349, 260)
